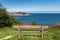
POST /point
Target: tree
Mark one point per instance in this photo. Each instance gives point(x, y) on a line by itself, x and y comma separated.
point(5, 19)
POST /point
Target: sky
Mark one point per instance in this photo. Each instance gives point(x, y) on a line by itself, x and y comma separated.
point(31, 5)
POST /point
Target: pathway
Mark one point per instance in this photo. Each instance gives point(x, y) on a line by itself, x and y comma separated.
point(7, 37)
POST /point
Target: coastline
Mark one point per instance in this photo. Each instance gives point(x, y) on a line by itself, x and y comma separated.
point(19, 14)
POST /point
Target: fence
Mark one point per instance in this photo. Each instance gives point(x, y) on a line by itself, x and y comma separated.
point(32, 28)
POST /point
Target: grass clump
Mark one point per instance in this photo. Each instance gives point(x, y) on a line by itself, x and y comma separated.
point(7, 31)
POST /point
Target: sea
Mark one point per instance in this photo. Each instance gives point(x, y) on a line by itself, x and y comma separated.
point(40, 18)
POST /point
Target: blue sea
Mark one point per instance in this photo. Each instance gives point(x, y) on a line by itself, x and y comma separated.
point(41, 18)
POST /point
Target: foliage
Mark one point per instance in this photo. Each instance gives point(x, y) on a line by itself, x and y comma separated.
point(33, 23)
point(6, 20)
point(15, 21)
point(56, 26)
point(7, 31)
point(52, 34)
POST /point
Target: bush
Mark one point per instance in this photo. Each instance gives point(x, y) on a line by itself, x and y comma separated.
point(33, 23)
point(15, 21)
point(56, 26)
point(6, 20)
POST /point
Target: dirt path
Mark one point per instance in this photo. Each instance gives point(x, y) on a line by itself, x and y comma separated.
point(7, 37)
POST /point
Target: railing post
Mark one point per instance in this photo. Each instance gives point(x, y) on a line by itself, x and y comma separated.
point(42, 31)
point(19, 32)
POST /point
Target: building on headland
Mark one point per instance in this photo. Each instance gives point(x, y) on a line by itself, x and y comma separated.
point(19, 14)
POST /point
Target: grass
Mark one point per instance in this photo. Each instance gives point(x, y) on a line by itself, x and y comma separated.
point(7, 31)
point(15, 38)
point(52, 34)
point(11, 31)
point(30, 33)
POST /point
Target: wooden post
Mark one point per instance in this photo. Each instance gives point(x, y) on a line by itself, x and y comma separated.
point(42, 31)
point(19, 32)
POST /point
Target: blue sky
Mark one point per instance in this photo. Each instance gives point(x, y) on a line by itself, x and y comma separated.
point(31, 5)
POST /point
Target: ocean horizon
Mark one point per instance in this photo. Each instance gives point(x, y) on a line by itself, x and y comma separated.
point(41, 18)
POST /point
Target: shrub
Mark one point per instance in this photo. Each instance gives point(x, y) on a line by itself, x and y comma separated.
point(6, 20)
point(33, 23)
